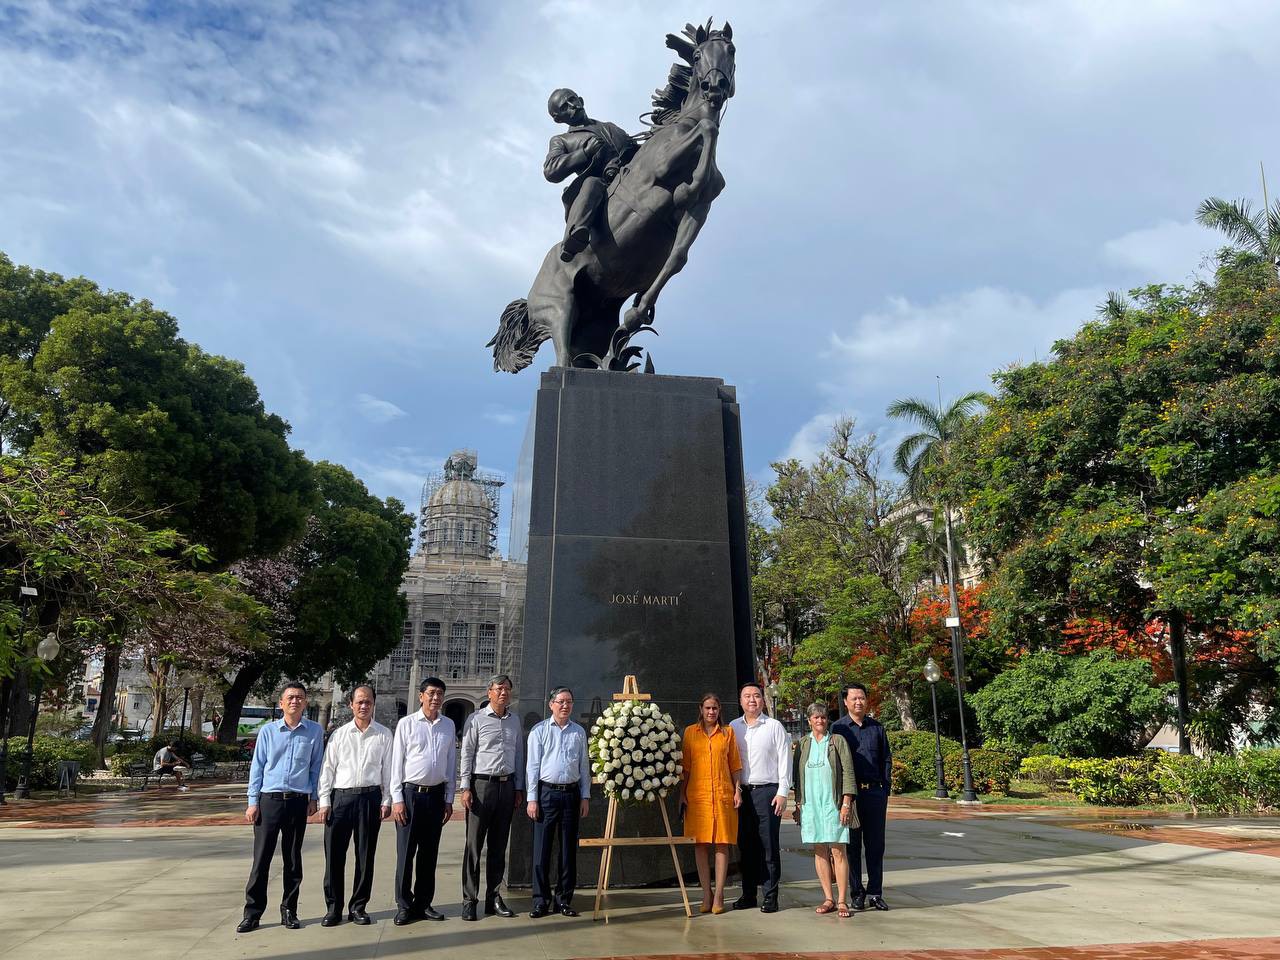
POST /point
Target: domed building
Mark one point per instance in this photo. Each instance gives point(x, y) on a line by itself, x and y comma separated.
point(466, 603)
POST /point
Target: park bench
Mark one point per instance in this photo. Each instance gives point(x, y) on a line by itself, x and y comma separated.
point(140, 772)
point(202, 766)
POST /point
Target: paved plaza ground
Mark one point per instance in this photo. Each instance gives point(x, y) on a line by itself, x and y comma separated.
point(161, 875)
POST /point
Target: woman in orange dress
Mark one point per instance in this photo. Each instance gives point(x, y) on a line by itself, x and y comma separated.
point(709, 796)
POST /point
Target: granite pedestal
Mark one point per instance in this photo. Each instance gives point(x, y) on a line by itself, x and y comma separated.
point(637, 564)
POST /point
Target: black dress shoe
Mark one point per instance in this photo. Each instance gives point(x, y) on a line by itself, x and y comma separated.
point(877, 903)
point(360, 917)
point(247, 924)
point(469, 910)
point(331, 920)
point(567, 911)
point(497, 906)
point(403, 917)
point(770, 905)
point(859, 901)
point(289, 919)
point(539, 911)
point(429, 913)
point(745, 903)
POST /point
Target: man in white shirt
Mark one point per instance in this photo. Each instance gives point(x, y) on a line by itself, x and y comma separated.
point(423, 779)
point(355, 797)
point(765, 750)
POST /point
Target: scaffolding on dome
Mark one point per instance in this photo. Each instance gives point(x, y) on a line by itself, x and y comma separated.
point(462, 465)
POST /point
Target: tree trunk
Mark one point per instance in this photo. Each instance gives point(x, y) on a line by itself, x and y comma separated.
point(195, 711)
point(902, 700)
point(106, 703)
point(1178, 654)
point(20, 703)
point(234, 697)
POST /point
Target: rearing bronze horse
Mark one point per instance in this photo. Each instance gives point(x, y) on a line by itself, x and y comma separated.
point(655, 208)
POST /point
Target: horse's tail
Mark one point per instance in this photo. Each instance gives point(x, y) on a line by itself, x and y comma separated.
point(516, 341)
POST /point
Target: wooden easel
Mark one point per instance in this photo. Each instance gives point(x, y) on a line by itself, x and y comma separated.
point(631, 691)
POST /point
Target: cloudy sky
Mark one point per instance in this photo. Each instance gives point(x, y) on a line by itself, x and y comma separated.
point(344, 195)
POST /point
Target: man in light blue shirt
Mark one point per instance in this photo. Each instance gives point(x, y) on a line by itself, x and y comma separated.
point(284, 784)
point(558, 775)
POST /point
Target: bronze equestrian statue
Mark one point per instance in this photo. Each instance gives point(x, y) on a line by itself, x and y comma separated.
point(631, 214)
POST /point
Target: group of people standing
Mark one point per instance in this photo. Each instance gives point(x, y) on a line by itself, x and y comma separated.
point(735, 784)
point(734, 789)
point(366, 774)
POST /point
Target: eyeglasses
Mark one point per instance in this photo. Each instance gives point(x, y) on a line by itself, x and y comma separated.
point(562, 703)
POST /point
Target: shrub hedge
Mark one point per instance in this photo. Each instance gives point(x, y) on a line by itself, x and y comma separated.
point(914, 767)
point(46, 753)
point(1246, 783)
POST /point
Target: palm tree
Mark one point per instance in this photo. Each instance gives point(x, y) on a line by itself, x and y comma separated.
point(924, 454)
point(923, 457)
point(1258, 233)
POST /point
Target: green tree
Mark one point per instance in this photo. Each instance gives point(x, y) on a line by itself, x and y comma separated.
point(163, 431)
point(1089, 470)
point(1256, 233)
point(852, 521)
point(159, 425)
point(1093, 705)
point(101, 577)
point(345, 610)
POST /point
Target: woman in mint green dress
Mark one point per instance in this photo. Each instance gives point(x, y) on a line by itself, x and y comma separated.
point(825, 787)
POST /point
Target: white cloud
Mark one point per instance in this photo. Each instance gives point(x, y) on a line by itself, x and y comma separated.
point(348, 195)
point(377, 410)
point(1168, 252)
point(504, 416)
point(961, 338)
point(810, 440)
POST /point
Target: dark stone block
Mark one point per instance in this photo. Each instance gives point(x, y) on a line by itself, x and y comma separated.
point(637, 563)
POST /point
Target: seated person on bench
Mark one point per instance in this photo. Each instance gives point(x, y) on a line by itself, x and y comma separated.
point(167, 761)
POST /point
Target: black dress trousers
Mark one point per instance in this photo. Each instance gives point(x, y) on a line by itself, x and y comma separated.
point(417, 845)
point(873, 808)
point(488, 825)
point(758, 828)
point(352, 815)
point(280, 819)
point(558, 810)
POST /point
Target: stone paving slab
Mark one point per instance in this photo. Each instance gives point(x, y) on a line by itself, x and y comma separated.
point(995, 886)
point(1253, 948)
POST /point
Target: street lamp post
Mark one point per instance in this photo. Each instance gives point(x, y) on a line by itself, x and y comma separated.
point(933, 673)
point(47, 649)
point(188, 681)
point(969, 795)
point(26, 594)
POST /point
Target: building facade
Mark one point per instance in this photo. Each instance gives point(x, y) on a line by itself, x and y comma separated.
point(466, 603)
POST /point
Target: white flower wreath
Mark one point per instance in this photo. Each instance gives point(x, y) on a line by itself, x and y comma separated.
point(635, 751)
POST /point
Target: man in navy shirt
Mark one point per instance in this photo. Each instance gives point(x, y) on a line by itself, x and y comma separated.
point(284, 782)
point(872, 765)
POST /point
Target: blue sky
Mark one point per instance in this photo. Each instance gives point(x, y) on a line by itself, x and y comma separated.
point(344, 196)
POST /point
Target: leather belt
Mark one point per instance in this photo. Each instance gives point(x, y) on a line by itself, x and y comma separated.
point(425, 787)
point(874, 784)
point(285, 795)
point(759, 786)
point(357, 790)
point(495, 777)
point(558, 786)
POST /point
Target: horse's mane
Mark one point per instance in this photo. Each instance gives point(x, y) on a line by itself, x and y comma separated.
point(668, 100)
